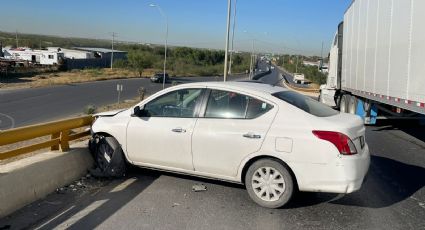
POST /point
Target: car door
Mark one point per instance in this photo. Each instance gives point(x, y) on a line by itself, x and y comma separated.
point(231, 126)
point(162, 135)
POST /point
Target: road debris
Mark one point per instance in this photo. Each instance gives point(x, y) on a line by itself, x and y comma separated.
point(175, 205)
point(85, 183)
point(199, 188)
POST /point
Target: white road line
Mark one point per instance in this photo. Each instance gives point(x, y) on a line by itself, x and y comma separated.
point(10, 118)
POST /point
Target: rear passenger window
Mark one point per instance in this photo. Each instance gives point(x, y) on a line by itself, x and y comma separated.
point(225, 104)
point(306, 103)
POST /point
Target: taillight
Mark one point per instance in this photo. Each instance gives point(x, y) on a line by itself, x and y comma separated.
point(341, 141)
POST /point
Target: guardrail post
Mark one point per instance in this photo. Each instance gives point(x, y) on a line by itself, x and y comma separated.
point(64, 140)
point(54, 136)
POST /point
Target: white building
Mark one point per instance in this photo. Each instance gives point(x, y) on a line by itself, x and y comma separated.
point(42, 57)
point(325, 66)
point(73, 54)
point(299, 78)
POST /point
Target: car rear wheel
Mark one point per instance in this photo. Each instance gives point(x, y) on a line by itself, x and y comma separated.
point(109, 157)
point(269, 183)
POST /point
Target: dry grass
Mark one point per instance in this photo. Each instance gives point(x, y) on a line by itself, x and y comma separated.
point(76, 76)
point(124, 105)
point(314, 86)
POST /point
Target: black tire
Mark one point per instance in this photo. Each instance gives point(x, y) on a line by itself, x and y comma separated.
point(109, 157)
point(343, 102)
point(352, 105)
point(287, 187)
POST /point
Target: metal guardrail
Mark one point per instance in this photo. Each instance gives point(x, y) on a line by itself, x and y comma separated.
point(294, 87)
point(301, 89)
point(60, 132)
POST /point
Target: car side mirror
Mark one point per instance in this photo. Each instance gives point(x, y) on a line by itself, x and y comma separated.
point(138, 111)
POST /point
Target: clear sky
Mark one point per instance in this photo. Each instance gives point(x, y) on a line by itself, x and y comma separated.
point(288, 26)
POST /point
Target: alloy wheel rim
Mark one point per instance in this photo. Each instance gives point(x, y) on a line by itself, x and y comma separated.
point(105, 155)
point(268, 184)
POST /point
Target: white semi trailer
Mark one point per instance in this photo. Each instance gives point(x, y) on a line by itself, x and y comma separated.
point(377, 60)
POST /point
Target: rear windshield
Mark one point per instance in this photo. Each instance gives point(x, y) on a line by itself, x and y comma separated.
point(306, 103)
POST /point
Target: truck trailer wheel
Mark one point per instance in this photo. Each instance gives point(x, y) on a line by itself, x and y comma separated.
point(352, 105)
point(343, 103)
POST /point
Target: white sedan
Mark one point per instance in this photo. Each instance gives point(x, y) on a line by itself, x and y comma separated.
point(272, 140)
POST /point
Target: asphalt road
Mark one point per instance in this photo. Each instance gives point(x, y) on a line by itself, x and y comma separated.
point(393, 197)
point(29, 106)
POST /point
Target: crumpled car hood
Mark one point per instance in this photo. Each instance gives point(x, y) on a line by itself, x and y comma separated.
point(108, 113)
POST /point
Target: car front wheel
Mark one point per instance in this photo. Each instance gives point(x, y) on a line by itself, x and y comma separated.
point(109, 157)
point(269, 183)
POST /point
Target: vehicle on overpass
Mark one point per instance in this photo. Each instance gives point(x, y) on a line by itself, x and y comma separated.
point(377, 61)
point(159, 78)
point(299, 78)
point(258, 135)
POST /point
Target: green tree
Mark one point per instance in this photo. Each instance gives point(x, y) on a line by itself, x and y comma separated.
point(139, 60)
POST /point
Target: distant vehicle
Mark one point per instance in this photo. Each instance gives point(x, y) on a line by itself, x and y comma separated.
point(273, 140)
point(299, 78)
point(376, 61)
point(271, 67)
point(158, 78)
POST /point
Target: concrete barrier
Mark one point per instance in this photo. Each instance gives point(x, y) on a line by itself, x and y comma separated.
point(27, 180)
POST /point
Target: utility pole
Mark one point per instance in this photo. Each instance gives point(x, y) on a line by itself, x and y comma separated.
point(166, 40)
point(16, 34)
point(250, 67)
point(296, 66)
point(321, 63)
point(321, 59)
point(112, 54)
point(229, 5)
point(233, 37)
point(253, 61)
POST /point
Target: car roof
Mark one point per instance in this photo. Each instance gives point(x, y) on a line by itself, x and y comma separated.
point(245, 86)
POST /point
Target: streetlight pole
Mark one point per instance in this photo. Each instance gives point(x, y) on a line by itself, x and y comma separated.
point(253, 59)
point(166, 40)
point(296, 66)
point(112, 54)
point(251, 63)
point(229, 5)
point(233, 37)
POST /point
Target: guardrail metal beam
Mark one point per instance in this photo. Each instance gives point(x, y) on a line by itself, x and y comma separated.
point(59, 132)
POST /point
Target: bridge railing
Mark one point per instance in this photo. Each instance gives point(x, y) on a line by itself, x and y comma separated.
point(59, 132)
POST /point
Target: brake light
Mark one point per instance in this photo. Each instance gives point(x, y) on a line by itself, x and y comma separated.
point(341, 141)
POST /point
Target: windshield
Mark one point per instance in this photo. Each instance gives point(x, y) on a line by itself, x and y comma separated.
point(306, 103)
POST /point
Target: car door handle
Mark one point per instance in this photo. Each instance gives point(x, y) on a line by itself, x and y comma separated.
point(252, 135)
point(179, 130)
